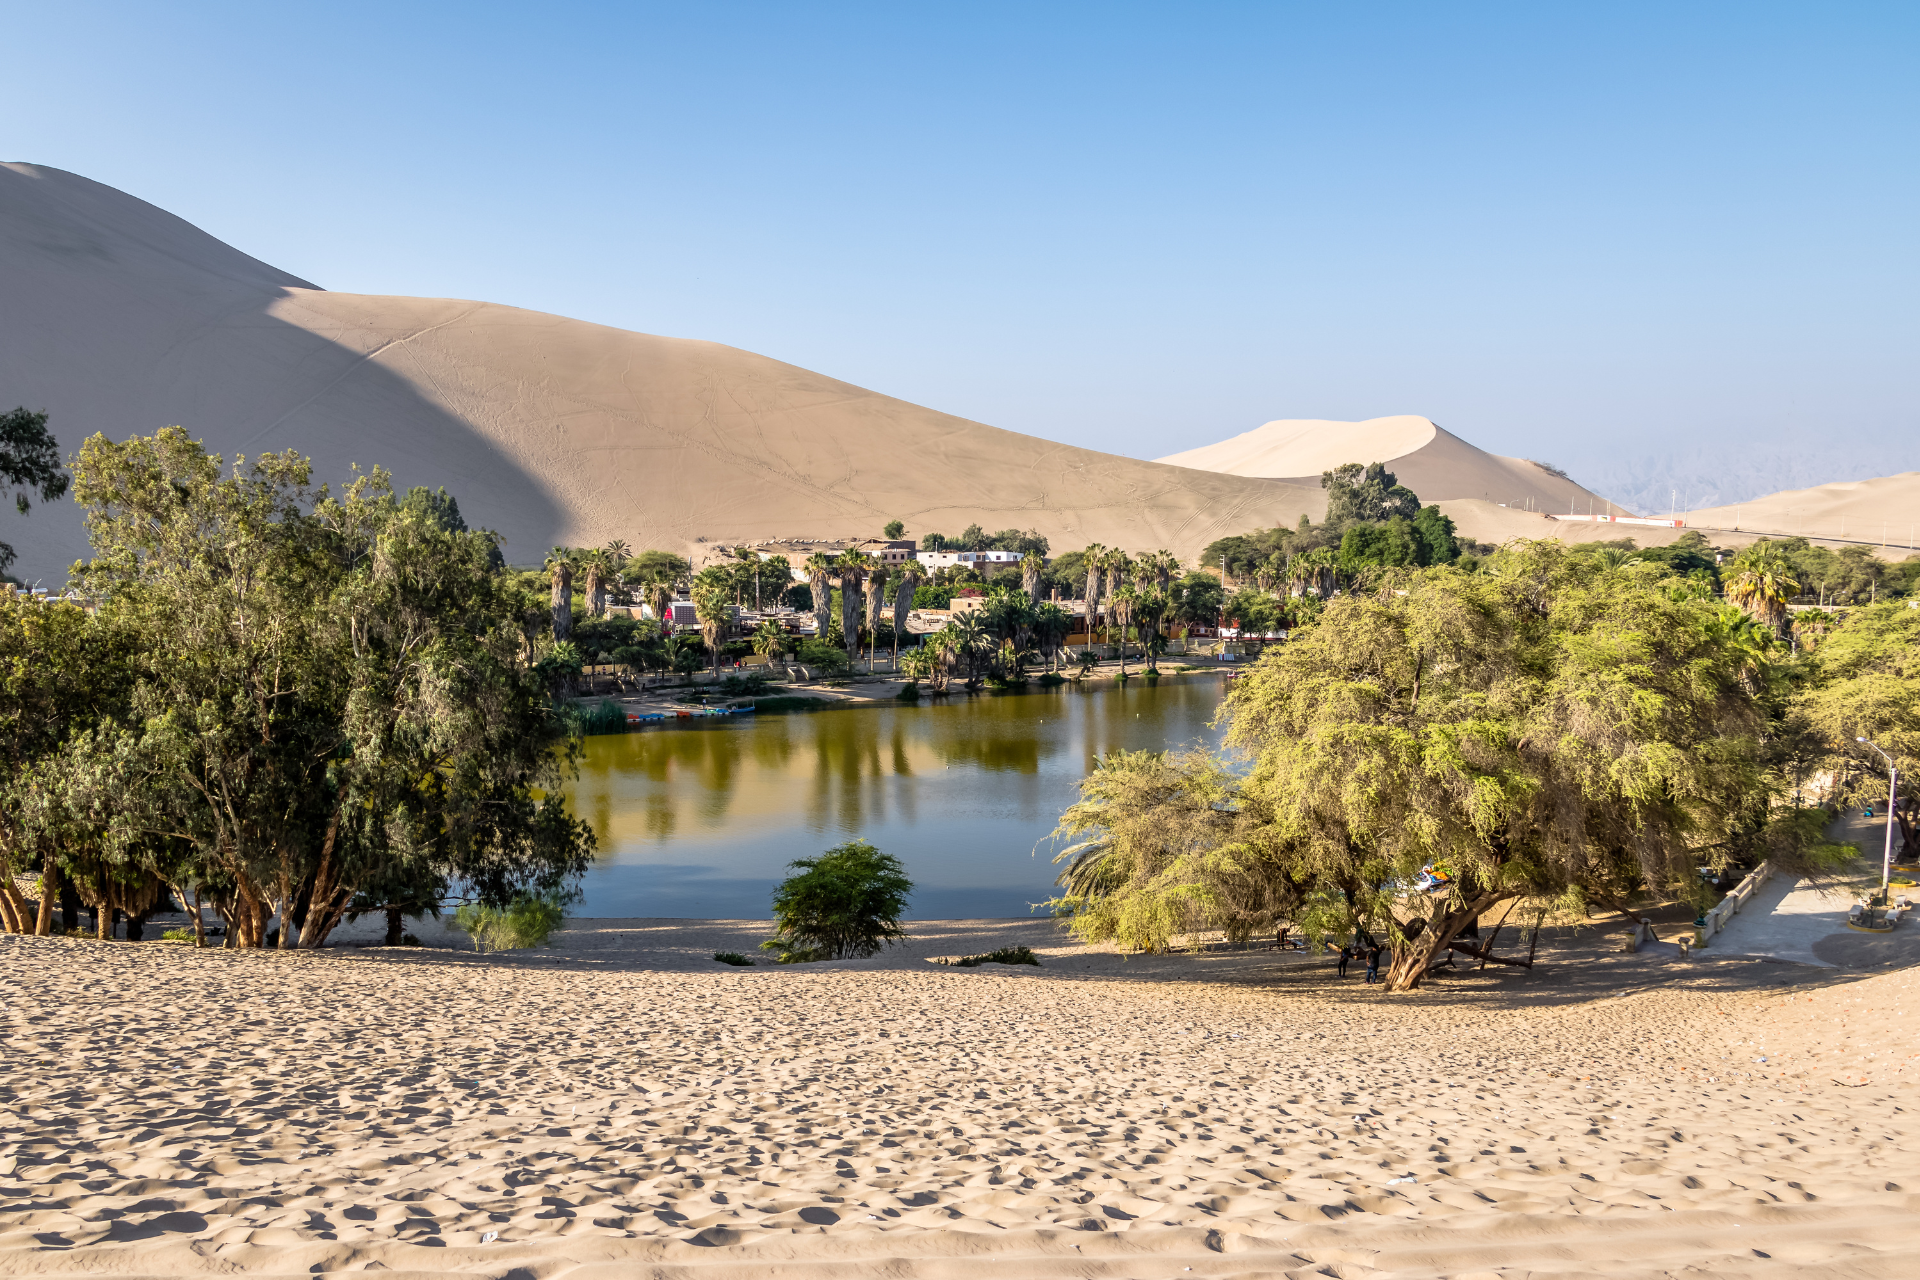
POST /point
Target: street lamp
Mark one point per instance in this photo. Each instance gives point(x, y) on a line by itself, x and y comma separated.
point(1886, 858)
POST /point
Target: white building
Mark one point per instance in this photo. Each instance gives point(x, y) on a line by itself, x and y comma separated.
point(977, 559)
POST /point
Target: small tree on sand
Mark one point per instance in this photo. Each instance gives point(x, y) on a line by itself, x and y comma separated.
point(844, 904)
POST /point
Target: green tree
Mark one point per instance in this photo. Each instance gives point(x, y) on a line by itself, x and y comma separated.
point(893, 530)
point(1434, 533)
point(1761, 584)
point(844, 904)
point(933, 542)
point(1369, 493)
point(1200, 599)
point(1865, 683)
point(29, 463)
point(1544, 731)
point(559, 567)
point(712, 594)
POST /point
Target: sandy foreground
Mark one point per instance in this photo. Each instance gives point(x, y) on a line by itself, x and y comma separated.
point(621, 1105)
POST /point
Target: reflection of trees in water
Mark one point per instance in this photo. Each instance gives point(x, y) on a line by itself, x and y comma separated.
point(855, 771)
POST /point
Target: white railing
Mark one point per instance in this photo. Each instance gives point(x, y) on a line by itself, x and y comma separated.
point(1729, 906)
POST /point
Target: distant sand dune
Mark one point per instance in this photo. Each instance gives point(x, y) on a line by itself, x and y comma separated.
point(1880, 512)
point(1434, 463)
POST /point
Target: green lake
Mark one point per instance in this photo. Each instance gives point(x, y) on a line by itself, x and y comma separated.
point(699, 819)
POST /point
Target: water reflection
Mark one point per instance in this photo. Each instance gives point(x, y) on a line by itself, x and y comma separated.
point(701, 819)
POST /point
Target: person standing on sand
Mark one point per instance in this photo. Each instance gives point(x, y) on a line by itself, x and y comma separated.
point(1346, 954)
point(1373, 963)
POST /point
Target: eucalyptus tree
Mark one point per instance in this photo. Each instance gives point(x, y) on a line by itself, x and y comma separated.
point(1865, 683)
point(29, 463)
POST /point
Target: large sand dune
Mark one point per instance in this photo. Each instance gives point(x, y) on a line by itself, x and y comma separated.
point(119, 317)
point(1433, 462)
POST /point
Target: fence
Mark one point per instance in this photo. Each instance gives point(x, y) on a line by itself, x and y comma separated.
point(1729, 906)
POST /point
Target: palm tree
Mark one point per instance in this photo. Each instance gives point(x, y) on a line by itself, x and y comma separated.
point(965, 638)
point(1030, 576)
point(1117, 567)
point(1763, 585)
point(903, 602)
point(596, 569)
point(1315, 570)
point(1050, 625)
point(1096, 561)
point(852, 566)
point(1120, 609)
point(559, 567)
point(660, 600)
point(876, 588)
point(1165, 565)
point(711, 605)
point(617, 551)
point(820, 569)
point(769, 641)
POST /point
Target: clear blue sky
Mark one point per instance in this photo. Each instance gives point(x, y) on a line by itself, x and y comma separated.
point(1603, 235)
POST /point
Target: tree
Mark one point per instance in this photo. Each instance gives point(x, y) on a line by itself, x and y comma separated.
point(596, 570)
point(933, 542)
point(1096, 561)
point(1253, 611)
point(29, 463)
point(845, 904)
point(850, 569)
point(1865, 683)
point(1391, 544)
point(974, 538)
point(1369, 493)
point(559, 567)
point(875, 588)
point(893, 530)
point(1541, 731)
point(1433, 532)
point(1761, 585)
point(821, 570)
point(903, 595)
point(1051, 624)
point(331, 694)
point(1031, 567)
point(1120, 609)
point(1199, 599)
point(1115, 567)
point(712, 595)
point(769, 641)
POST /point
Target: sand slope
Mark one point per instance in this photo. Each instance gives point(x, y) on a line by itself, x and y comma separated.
point(116, 316)
point(624, 1106)
point(1434, 463)
point(1881, 511)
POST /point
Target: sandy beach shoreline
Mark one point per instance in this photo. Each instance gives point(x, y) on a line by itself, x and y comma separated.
point(623, 1103)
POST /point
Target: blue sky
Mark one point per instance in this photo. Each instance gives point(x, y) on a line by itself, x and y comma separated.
point(1672, 238)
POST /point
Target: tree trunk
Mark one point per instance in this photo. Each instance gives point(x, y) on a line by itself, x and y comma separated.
point(49, 894)
point(394, 926)
point(136, 924)
point(13, 914)
point(1411, 962)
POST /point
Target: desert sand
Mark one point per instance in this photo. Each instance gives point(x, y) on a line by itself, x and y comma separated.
point(1878, 513)
point(119, 317)
point(1434, 463)
point(623, 1105)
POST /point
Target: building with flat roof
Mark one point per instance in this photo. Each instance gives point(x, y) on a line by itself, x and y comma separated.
point(974, 559)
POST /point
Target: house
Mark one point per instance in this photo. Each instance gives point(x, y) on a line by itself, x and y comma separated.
point(891, 552)
point(981, 560)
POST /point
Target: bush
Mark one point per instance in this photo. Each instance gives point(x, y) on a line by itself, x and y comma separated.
point(178, 935)
point(528, 921)
point(844, 904)
point(733, 958)
point(1005, 955)
point(603, 717)
point(790, 702)
point(817, 655)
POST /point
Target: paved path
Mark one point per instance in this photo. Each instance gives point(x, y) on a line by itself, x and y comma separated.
point(1792, 920)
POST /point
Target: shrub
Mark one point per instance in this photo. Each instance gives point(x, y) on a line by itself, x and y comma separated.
point(604, 717)
point(844, 904)
point(790, 702)
point(530, 920)
point(816, 655)
point(733, 958)
point(178, 935)
point(1005, 955)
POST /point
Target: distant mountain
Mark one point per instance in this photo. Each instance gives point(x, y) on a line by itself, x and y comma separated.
point(117, 316)
point(1702, 477)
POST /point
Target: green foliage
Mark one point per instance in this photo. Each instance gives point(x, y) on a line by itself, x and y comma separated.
point(790, 702)
point(1245, 553)
point(734, 958)
point(1004, 955)
point(286, 697)
point(529, 920)
point(1254, 612)
point(844, 904)
point(602, 717)
point(29, 463)
point(1369, 493)
point(178, 935)
point(1550, 727)
point(823, 656)
point(1200, 599)
point(894, 529)
point(932, 596)
point(1434, 533)
point(933, 542)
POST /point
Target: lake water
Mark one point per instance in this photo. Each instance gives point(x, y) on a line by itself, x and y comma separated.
point(701, 819)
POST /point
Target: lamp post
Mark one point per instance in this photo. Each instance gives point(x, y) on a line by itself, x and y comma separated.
point(1886, 857)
